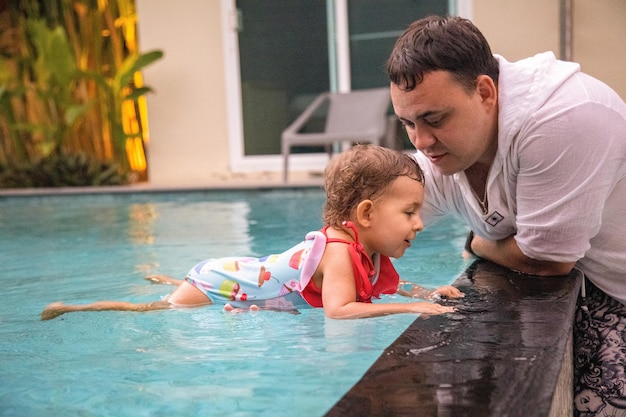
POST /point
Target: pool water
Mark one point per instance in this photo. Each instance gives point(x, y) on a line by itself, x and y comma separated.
point(188, 362)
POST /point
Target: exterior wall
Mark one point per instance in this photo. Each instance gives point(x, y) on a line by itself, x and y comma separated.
point(600, 30)
point(188, 118)
point(187, 111)
point(507, 27)
point(520, 28)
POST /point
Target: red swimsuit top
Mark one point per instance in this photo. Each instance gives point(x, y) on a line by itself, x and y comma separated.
point(368, 285)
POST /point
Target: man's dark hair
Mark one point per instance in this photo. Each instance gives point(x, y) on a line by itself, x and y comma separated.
point(436, 43)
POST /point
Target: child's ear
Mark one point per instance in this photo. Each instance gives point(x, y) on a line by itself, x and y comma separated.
point(364, 212)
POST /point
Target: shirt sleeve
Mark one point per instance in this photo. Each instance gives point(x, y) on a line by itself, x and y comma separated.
point(567, 167)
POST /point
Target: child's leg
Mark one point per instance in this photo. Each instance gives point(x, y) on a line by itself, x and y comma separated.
point(186, 295)
point(56, 309)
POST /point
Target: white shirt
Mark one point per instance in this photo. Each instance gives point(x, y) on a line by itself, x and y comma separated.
point(558, 180)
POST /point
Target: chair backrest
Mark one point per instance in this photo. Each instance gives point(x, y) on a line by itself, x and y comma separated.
point(361, 111)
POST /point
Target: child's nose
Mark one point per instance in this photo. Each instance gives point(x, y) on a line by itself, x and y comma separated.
point(418, 225)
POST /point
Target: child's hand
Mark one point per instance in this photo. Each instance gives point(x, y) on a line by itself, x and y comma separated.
point(447, 291)
point(408, 289)
point(430, 308)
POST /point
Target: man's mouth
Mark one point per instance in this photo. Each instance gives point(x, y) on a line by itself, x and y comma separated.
point(436, 158)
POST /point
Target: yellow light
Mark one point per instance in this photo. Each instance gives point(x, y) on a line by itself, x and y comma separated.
point(106, 139)
point(130, 124)
point(142, 105)
point(135, 154)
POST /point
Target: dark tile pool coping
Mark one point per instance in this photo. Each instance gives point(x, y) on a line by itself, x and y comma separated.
point(506, 352)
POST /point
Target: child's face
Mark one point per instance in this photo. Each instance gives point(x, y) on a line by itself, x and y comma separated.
point(395, 218)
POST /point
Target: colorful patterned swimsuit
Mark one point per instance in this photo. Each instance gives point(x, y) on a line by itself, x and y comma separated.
point(283, 281)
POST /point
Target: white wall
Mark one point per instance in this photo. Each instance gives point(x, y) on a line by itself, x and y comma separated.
point(187, 112)
point(520, 28)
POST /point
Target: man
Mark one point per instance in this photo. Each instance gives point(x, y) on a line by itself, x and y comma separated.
point(532, 155)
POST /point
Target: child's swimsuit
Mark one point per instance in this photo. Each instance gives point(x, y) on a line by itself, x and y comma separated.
point(283, 281)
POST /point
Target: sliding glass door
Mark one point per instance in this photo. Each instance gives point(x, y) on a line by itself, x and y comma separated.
point(288, 54)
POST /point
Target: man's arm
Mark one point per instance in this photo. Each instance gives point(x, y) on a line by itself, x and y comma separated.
point(505, 252)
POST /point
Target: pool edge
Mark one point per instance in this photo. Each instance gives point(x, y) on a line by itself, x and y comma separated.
point(507, 352)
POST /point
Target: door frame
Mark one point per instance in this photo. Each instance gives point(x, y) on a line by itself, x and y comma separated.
point(339, 59)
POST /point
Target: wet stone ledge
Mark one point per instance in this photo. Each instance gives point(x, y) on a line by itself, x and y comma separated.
point(506, 352)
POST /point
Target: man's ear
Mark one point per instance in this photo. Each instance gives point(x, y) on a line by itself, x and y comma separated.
point(364, 211)
point(487, 89)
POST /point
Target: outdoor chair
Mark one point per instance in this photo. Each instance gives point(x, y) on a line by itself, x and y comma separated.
point(358, 116)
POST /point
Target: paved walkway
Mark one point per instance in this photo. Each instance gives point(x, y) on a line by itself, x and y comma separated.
point(264, 180)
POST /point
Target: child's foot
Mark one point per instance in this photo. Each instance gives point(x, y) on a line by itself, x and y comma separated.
point(230, 309)
point(53, 310)
point(163, 279)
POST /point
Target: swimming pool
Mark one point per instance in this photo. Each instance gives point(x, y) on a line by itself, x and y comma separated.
point(196, 362)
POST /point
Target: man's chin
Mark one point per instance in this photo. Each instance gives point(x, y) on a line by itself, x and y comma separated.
point(444, 170)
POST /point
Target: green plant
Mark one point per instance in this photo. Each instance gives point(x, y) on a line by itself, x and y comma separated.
point(58, 170)
point(69, 83)
point(120, 88)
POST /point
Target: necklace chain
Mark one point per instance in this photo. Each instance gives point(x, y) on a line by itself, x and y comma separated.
point(484, 204)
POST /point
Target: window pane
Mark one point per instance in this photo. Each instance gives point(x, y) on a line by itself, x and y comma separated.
point(284, 63)
point(374, 27)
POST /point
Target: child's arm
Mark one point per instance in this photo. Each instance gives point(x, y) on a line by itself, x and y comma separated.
point(417, 291)
point(339, 291)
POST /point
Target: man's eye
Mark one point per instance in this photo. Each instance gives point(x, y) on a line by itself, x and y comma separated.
point(406, 124)
point(434, 122)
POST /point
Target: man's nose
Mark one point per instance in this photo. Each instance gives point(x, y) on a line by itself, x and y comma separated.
point(422, 138)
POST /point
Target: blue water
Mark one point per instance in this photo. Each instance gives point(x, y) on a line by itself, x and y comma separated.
point(195, 362)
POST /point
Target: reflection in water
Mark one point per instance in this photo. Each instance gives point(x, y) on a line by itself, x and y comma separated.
point(141, 224)
point(344, 336)
point(219, 228)
point(213, 229)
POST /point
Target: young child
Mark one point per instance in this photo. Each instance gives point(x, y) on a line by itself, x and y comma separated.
point(371, 214)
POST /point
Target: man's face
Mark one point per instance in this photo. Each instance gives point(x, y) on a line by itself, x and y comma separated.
point(453, 127)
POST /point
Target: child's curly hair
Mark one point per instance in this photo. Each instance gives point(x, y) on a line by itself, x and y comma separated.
point(360, 173)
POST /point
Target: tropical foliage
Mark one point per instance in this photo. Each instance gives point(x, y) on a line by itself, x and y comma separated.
point(72, 107)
